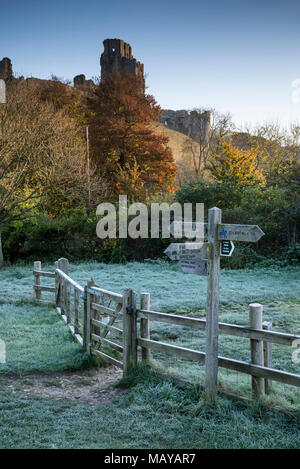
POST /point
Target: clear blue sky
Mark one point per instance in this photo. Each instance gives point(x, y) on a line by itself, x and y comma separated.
point(236, 56)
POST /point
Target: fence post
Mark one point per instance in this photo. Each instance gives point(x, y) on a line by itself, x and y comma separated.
point(145, 325)
point(257, 355)
point(129, 330)
point(267, 347)
point(87, 316)
point(57, 286)
point(63, 265)
point(37, 267)
point(76, 307)
point(68, 302)
point(212, 305)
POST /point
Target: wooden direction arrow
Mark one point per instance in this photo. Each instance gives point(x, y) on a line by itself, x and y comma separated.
point(187, 251)
point(188, 228)
point(250, 233)
point(194, 266)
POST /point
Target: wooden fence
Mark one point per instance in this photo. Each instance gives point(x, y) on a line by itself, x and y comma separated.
point(92, 312)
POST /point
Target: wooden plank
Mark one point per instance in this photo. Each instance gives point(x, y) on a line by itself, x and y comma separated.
point(256, 346)
point(37, 267)
point(63, 265)
point(113, 329)
point(249, 233)
point(212, 306)
point(181, 251)
point(172, 318)
point(44, 274)
point(72, 330)
point(68, 302)
point(57, 285)
point(172, 349)
point(228, 363)
point(44, 288)
point(109, 343)
point(79, 339)
point(108, 294)
point(112, 319)
point(274, 337)
point(194, 266)
point(224, 328)
point(267, 347)
point(106, 357)
point(88, 316)
point(76, 307)
point(105, 310)
point(129, 330)
point(76, 336)
point(57, 292)
point(145, 325)
point(68, 279)
point(260, 371)
point(62, 296)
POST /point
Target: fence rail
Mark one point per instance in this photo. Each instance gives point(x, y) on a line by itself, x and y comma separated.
point(228, 329)
point(92, 312)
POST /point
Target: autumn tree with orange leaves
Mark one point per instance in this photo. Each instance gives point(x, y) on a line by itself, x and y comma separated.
point(133, 159)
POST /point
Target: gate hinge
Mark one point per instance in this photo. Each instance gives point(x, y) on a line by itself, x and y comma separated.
point(130, 309)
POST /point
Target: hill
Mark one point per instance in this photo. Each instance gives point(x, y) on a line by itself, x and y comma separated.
point(183, 149)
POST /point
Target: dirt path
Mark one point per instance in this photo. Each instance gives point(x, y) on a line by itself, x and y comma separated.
point(93, 386)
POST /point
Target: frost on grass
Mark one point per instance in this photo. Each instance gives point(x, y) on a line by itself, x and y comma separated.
point(37, 339)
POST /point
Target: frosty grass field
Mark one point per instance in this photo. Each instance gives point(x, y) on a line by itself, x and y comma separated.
point(153, 413)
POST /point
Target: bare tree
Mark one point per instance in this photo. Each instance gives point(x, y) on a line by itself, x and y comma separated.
point(278, 147)
point(207, 128)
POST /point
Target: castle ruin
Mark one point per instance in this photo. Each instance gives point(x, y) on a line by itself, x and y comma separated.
point(6, 72)
point(196, 125)
point(117, 56)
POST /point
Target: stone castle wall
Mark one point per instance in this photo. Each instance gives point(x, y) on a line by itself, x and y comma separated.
point(191, 123)
point(117, 56)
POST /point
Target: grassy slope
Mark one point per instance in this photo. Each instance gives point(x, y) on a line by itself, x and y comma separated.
point(152, 414)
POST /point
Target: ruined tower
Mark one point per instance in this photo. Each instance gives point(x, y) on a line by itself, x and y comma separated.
point(6, 72)
point(117, 56)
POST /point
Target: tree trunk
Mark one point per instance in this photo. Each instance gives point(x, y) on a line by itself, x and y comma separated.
point(1, 252)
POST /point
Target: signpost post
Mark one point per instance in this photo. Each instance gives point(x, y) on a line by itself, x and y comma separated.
point(203, 258)
point(212, 306)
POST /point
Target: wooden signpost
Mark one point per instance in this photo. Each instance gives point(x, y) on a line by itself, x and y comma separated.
point(204, 259)
point(182, 251)
point(194, 266)
point(250, 233)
